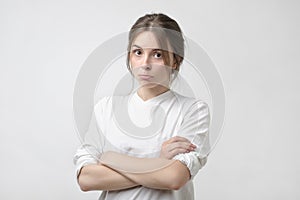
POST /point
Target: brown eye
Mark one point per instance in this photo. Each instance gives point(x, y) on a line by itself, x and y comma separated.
point(137, 52)
point(157, 54)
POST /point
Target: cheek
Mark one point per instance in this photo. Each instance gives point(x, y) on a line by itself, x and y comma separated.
point(161, 70)
point(159, 62)
point(132, 61)
point(134, 69)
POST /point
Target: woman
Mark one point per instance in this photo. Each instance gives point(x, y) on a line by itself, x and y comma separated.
point(145, 161)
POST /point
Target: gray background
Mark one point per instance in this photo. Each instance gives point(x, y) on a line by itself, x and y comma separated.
point(254, 44)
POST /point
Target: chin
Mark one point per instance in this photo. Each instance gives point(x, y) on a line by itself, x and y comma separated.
point(148, 85)
point(151, 85)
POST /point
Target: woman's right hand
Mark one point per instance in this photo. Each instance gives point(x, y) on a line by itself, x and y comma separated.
point(174, 146)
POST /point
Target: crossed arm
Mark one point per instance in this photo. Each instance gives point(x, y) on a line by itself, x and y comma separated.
point(171, 177)
point(101, 177)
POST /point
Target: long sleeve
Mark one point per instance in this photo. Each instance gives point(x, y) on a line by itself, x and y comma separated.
point(85, 155)
point(195, 127)
point(92, 145)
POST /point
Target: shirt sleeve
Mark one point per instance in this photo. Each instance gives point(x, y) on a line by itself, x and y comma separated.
point(92, 144)
point(85, 155)
point(195, 127)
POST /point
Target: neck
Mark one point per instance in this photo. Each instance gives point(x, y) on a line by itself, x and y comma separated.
point(148, 93)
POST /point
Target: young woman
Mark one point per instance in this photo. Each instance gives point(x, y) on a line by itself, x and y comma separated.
point(126, 162)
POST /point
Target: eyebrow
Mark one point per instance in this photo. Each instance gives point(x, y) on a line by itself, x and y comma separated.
point(142, 48)
point(136, 46)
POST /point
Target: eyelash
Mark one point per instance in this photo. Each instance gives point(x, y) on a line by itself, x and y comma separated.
point(136, 50)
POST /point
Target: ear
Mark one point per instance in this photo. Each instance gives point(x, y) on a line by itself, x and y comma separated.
point(175, 65)
point(175, 62)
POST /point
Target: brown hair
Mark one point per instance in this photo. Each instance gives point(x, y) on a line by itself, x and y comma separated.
point(163, 27)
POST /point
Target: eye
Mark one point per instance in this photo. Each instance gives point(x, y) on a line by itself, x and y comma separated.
point(137, 52)
point(157, 54)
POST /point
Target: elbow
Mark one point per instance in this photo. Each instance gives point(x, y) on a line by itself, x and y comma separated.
point(83, 183)
point(88, 179)
point(178, 177)
point(85, 179)
point(177, 182)
point(84, 188)
point(176, 185)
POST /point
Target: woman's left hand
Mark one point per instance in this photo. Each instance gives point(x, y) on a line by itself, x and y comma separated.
point(174, 146)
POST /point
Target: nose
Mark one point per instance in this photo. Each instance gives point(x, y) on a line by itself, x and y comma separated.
point(146, 63)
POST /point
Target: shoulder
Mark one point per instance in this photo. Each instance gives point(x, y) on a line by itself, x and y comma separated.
point(102, 103)
point(191, 103)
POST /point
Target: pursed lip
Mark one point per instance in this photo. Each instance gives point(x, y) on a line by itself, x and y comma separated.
point(145, 76)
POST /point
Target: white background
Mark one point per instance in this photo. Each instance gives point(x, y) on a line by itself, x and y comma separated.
point(255, 45)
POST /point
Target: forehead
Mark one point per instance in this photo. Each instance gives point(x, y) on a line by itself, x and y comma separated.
point(146, 39)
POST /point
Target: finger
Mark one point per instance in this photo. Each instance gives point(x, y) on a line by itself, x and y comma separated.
point(178, 139)
point(182, 145)
point(178, 151)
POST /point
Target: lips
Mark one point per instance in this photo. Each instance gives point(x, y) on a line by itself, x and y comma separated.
point(145, 77)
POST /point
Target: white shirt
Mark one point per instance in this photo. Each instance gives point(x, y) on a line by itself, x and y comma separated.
point(172, 113)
